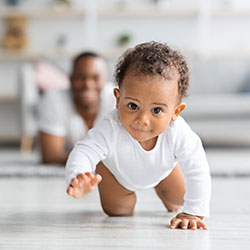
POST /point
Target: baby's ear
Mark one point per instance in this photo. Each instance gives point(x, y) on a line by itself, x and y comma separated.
point(179, 108)
point(117, 96)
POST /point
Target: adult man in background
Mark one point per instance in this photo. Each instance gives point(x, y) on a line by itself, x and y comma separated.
point(65, 116)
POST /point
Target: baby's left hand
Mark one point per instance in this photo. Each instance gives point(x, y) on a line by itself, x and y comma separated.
point(185, 221)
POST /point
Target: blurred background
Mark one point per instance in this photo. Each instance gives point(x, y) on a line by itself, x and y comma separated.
point(212, 34)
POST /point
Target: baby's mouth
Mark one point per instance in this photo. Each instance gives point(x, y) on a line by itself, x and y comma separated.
point(141, 130)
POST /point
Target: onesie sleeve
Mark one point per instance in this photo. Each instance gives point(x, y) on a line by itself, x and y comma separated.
point(88, 152)
point(189, 152)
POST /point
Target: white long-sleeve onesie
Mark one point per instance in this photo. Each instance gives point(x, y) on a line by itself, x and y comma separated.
point(135, 168)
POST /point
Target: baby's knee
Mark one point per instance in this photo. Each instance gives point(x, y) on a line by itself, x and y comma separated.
point(172, 201)
point(118, 207)
point(172, 207)
point(118, 211)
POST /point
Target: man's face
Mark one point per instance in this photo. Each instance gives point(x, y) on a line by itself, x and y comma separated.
point(87, 81)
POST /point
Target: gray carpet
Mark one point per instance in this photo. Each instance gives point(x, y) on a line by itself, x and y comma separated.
point(223, 163)
point(30, 170)
point(14, 164)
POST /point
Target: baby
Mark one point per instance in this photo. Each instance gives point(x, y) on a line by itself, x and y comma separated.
point(144, 142)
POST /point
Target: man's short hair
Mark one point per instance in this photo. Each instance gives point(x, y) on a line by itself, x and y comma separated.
point(84, 55)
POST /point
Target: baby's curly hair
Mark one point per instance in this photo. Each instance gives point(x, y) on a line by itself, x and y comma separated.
point(154, 58)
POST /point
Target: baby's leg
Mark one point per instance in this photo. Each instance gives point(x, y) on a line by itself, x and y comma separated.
point(115, 199)
point(171, 190)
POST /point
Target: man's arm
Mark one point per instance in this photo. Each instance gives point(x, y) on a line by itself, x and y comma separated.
point(52, 149)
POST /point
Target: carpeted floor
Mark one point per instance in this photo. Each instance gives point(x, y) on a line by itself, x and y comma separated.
point(14, 164)
point(223, 163)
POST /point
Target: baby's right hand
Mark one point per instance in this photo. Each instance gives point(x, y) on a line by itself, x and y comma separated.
point(83, 184)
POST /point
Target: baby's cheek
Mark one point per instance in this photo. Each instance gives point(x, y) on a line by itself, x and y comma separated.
point(124, 120)
point(161, 125)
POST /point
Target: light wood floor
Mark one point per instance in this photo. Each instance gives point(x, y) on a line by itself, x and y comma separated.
point(37, 214)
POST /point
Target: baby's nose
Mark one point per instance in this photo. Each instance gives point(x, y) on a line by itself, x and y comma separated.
point(143, 119)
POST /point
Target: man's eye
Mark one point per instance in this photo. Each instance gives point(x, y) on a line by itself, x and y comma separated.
point(79, 78)
point(157, 111)
point(132, 106)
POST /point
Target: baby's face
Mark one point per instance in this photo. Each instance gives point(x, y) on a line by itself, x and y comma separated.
point(147, 104)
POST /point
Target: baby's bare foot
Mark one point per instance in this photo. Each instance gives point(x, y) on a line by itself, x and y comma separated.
point(83, 184)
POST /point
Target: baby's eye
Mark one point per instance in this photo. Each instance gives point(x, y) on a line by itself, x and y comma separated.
point(132, 106)
point(156, 110)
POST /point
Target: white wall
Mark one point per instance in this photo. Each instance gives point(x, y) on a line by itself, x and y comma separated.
point(215, 41)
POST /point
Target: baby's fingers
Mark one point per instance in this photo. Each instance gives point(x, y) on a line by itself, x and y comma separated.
point(90, 175)
point(193, 224)
point(184, 224)
point(81, 177)
point(175, 223)
point(94, 179)
point(70, 191)
point(201, 225)
point(75, 182)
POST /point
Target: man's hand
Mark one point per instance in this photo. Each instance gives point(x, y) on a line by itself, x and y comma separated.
point(83, 184)
point(185, 221)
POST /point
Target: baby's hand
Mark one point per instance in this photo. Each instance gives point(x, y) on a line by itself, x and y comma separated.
point(83, 184)
point(185, 221)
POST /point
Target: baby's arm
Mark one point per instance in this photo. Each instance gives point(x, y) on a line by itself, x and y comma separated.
point(190, 154)
point(83, 184)
point(83, 159)
point(185, 221)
